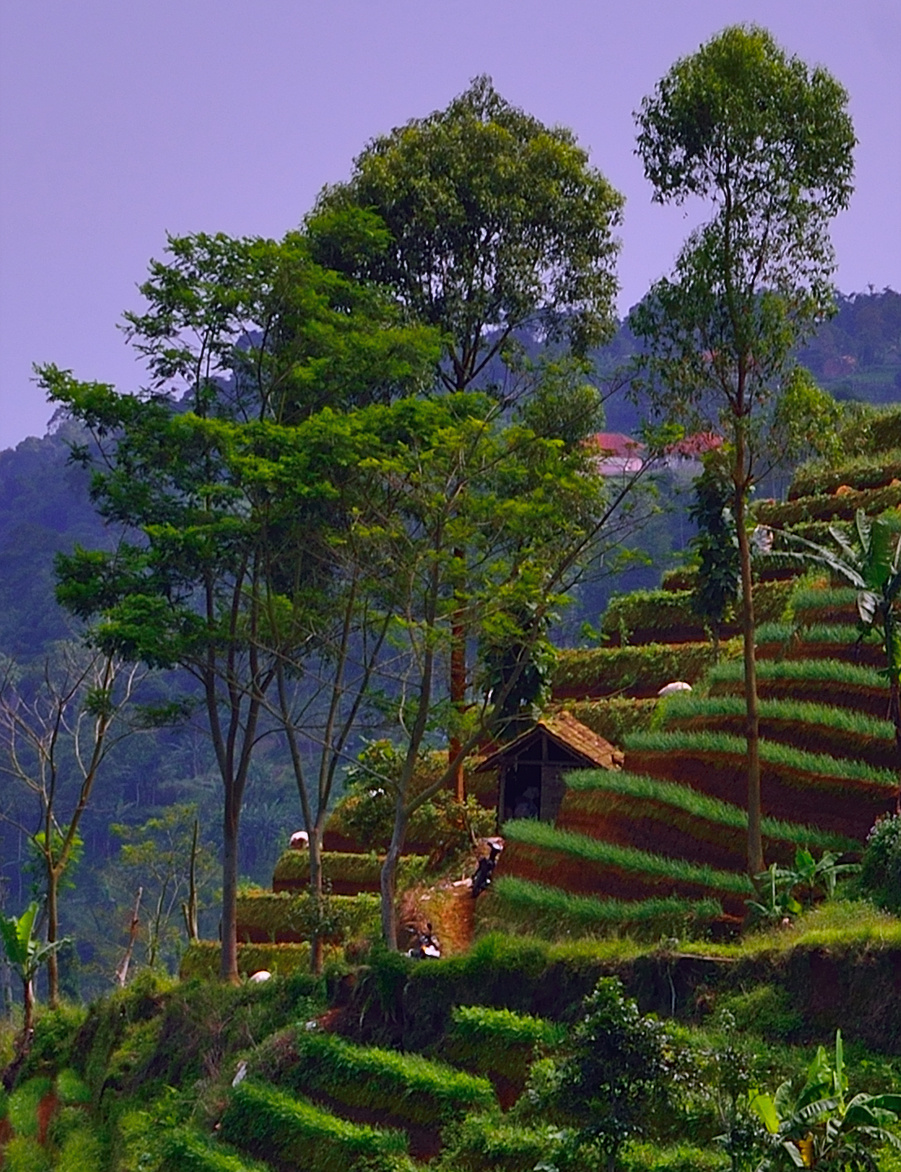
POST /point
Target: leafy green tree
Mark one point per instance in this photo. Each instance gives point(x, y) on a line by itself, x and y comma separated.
point(767, 143)
point(615, 1074)
point(494, 222)
point(213, 574)
point(56, 734)
point(715, 545)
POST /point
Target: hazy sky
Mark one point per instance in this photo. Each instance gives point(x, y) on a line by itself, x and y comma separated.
point(120, 121)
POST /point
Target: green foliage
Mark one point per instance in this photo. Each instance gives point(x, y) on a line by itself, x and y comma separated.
point(184, 1150)
point(554, 914)
point(827, 508)
point(521, 222)
point(606, 854)
point(715, 544)
point(649, 1157)
point(647, 611)
point(25, 1154)
point(801, 673)
point(766, 1010)
point(821, 1125)
point(880, 872)
point(22, 1107)
point(272, 1125)
point(201, 960)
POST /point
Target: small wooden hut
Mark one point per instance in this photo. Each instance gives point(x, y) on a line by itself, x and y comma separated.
point(530, 768)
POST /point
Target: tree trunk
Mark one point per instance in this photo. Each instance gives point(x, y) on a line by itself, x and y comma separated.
point(28, 1017)
point(52, 936)
point(315, 847)
point(228, 966)
point(752, 718)
point(388, 882)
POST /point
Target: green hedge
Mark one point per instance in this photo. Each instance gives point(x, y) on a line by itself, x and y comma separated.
point(284, 914)
point(863, 472)
point(184, 1150)
point(592, 790)
point(604, 671)
point(413, 1090)
point(613, 716)
point(272, 1125)
point(293, 869)
point(539, 909)
point(639, 616)
point(596, 852)
point(201, 960)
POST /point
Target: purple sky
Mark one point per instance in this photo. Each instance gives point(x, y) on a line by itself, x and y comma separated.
point(121, 121)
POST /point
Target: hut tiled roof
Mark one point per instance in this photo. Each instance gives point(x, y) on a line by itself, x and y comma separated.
point(570, 734)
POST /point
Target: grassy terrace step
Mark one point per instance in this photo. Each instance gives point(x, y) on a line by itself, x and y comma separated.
point(184, 1150)
point(613, 716)
point(289, 1133)
point(499, 1044)
point(841, 732)
point(829, 681)
point(633, 671)
point(399, 1090)
point(821, 508)
point(288, 918)
point(201, 959)
point(817, 641)
point(677, 821)
point(862, 473)
point(348, 874)
point(844, 797)
point(588, 866)
point(666, 615)
point(529, 908)
point(836, 605)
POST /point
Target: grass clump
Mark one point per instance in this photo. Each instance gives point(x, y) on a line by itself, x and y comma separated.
point(498, 1042)
point(484, 1143)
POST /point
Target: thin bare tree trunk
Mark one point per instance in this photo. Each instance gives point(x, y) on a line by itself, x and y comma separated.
point(752, 716)
point(123, 966)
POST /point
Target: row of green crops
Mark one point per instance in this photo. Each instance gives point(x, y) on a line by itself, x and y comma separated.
point(818, 508)
point(498, 1042)
point(687, 706)
point(201, 959)
point(644, 612)
point(838, 633)
point(600, 671)
point(293, 869)
point(771, 753)
point(280, 914)
point(837, 603)
point(850, 676)
point(592, 791)
point(862, 472)
point(595, 851)
point(274, 1126)
point(539, 909)
point(413, 1090)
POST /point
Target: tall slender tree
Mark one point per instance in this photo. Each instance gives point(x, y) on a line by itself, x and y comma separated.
point(767, 144)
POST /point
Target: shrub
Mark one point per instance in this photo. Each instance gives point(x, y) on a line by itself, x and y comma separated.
point(880, 872)
point(765, 1010)
point(274, 1126)
point(646, 1157)
point(184, 1150)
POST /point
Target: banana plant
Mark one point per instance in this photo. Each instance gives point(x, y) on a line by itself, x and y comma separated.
point(822, 1127)
point(26, 953)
